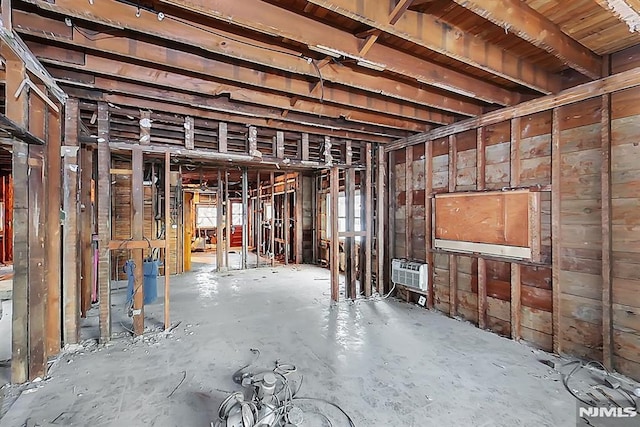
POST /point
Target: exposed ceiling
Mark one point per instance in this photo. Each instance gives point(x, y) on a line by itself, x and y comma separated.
point(361, 70)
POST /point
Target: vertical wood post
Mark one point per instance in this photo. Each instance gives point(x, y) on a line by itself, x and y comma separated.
point(219, 224)
point(334, 187)
point(71, 271)
point(259, 217)
point(189, 133)
point(227, 219)
point(245, 217)
point(408, 202)
point(222, 137)
point(299, 211)
point(137, 230)
point(381, 215)
point(428, 189)
point(285, 218)
point(516, 283)
point(482, 265)
point(279, 144)
point(53, 266)
point(555, 228)
point(305, 147)
point(391, 202)
point(366, 278)
point(86, 221)
point(453, 260)
point(145, 127)
point(607, 280)
point(167, 246)
point(272, 221)
point(104, 222)
point(481, 163)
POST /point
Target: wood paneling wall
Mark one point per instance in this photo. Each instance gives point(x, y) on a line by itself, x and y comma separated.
point(569, 306)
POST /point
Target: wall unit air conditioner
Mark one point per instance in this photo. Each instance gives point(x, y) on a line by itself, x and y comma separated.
point(409, 273)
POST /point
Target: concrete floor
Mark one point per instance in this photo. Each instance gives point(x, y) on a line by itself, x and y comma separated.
point(387, 363)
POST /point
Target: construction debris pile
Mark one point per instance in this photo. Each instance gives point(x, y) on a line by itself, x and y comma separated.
point(270, 399)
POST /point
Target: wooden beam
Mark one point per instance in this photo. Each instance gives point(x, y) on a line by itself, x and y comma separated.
point(222, 136)
point(219, 224)
point(137, 233)
point(189, 133)
point(145, 127)
point(167, 249)
point(20, 297)
point(304, 156)
point(70, 256)
point(115, 245)
point(285, 216)
point(515, 167)
point(408, 235)
point(272, 222)
point(287, 24)
point(328, 157)
point(237, 78)
point(334, 251)
point(245, 217)
point(53, 264)
point(428, 189)
point(381, 210)
point(453, 163)
point(86, 228)
point(350, 242)
point(516, 301)
point(431, 33)
point(392, 206)
point(530, 25)
point(481, 164)
point(104, 221)
point(299, 218)
point(227, 220)
point(279, 152)
point(555, 230)
point(617, 82)
point(607, 240)
point(367, 277)
point(482, 293)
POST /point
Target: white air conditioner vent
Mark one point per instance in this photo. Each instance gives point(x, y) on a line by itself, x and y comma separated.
point(409, 273)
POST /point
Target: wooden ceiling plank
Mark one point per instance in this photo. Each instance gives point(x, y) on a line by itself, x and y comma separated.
point(433, 34)
point(32, 24)
point(118, 69)
point(528, 24)
point(627, 11)
point(272, 20)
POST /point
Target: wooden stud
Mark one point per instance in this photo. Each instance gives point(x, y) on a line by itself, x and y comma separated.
point(535, 226)
point(137, 232)
point(259, 219)
point(391, 202)
point(189, 133)
point(482, 293)
point(428, 189)
point(516, 130)
point(245, 217)
point(481, 163)
point(299, 213)
point(516, 301)
point(305, 147)
point(70, 256)
point(408, 235)
point(555, 229)
point(227, 220)
point(453, 285)
point(222, 137)
point(453, 163)
point(53, 265)
point(279, 152)
point(219, 225)
point(20, 297)
point(285, 219)
point(253, 142)
point(167, 249)
point(350, 242)
point(328, 157)
point(145, 127)
point(86, 221)
point(368, 222)
point(104, 222)
point(334, 185)
point(607, 244)
point(272, 221)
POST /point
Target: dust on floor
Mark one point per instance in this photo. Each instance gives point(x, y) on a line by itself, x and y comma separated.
point(386, 363)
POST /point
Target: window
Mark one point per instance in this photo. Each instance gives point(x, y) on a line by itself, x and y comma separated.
point(236, 213)
point(206, 216)
point(342, 214)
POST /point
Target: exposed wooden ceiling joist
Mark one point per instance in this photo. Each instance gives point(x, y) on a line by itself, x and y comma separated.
point(279, 22)
point(41, 27)
point(427, 31)
point(628, 11)
point(112, 67)
point(523, 21)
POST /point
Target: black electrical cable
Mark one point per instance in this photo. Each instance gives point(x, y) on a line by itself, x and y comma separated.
point(317, 399)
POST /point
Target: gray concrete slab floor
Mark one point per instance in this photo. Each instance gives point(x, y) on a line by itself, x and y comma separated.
point(386, 363)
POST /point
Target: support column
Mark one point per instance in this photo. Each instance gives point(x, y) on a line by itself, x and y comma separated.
point(167, 246)
point(86, 221)
point(219, 225)
point(366, 278)
point(104, 222)
point(516, 283)
point(137, 233)
point(555, 229)
point(334, 186)
point(607, 278)
point(71, 207)
point(245, 217)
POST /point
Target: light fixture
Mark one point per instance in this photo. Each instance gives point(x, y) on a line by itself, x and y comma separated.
point(371, 65)
point(160, 16)
point(90, 1)
point(67, 22)
point(138, 12)
point(326, 50)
